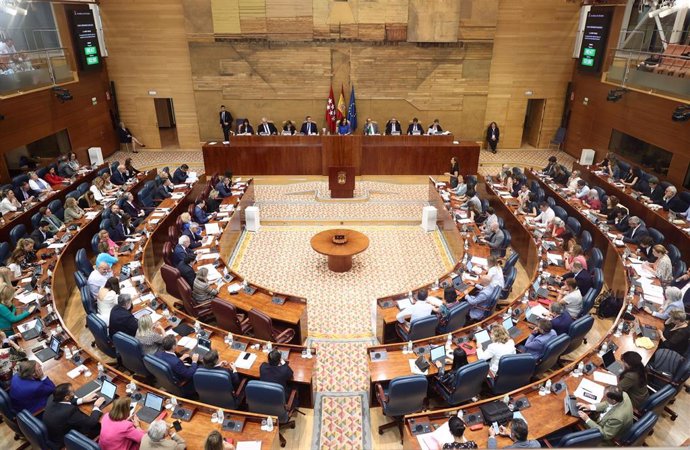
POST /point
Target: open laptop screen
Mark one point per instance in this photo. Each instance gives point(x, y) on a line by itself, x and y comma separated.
point(153, 401)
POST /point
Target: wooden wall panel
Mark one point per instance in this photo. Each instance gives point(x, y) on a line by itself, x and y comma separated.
point(532, 51)
point(150, 54)
point(435, 21)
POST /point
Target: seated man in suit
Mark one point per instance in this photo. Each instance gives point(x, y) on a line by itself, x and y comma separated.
point(276, 370)
point(537, 340)
point(119, 176)
point(415, 128)
point(164, 190)
point(55, 223)
point(200, 214)
point(62, 414)
point(130, 207)
point(266, 128)
point(180, 174)
point(560, 319)
point(121, 317)
point(393, 127)
point(615, 414)
point(495, 238)
point(181, 249)
point(582, 277)
point(671, 201)
point(223, 188)
point(31, 388)
point(181, 370)
point(186, 270)
point(636, 231)
point(193, 232)
point(435, 128)
point(308, 127)
point(654, 191)
point(37, 184)
point(212, 361)
point(482, 301)
point(64, 169)
point(518, 433)
point(41, 234)
point(370, 127)
point(25, 194)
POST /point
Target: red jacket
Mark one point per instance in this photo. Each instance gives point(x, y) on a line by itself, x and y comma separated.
point(54, 180)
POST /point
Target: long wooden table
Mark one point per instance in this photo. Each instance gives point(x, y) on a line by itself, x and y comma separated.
point(313, 155)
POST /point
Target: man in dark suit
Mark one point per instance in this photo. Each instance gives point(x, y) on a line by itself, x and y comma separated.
point(393, 127)
point(225, 122)
point(181, 249)
point(41, 234)
point(308, 127)
point(180, 175)
point(115, 214)
point(275, 370)
point(654, 191)
point(64, 169)
point(212, 361)
point(119, 176)
point(200, 214)
point(182, 371)
point(223, 188)
point(621, 220)
point(582, 277)
point(163, 191)
point(415, 127)
point(561, 320)
point(131, 208)
point(435, 128)
point(495, 239)
point(636, 231)
point(62, 414)
point(671, 201)
point(266, 128)
point(121, 317)
point(186, 270)
point(644, 249)
point(25, 193)
point(194, 235)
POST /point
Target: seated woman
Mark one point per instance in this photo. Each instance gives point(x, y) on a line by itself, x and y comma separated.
point(676, 334)
point(72, 161)
point(72, 210)
point(129, 169)
point(560, 176)
point(245, 128)
point(97, 189)
point(88, 200)
point(150, 336)
point(108, 186)
point(457, 430)
point(120, 429)
point(501, 344)
point(459, 361)
point(8, 312)
point(662, 268)
point(461, 189)
point(450, 298)
point(186, 219)
point(610, 209)
point(573, 179)
point(531, 207)
point(556, 228)
point(592, 200)
point(344, 127)
point(202, 290)
point(104, 255)
point(574, 253)
point(213, 203)
point(23, 256)
point(107, 298)
point(633, 379)
point(631, 177)
point(53, 178)
point(289, 127)
point(9, 202)
point(673, 301)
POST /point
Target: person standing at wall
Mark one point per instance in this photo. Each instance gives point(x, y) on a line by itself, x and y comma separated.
point(492, 136)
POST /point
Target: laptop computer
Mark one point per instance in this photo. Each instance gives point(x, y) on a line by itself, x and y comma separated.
point(203, 346)
point(153, 405)
point(89, 388)
point(438, 353)
point(647, 331)
point(482, 337)
point(51, 351)
point(570, 404)
point(510, 327)
point(540, 291)
point(108, 392)
point(458, 284)
point(610, 363)
point(532, 318)
point(32, 329)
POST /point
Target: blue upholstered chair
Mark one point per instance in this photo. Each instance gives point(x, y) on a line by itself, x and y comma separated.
point(573, 225)
point(404, 395)
point(83, 263)
point(578, 332)
point(591, 437)
point(638, 432)
point(131, 354)
point(596, 259)
point(552, 351)
point(16, 233)
point(8, 415)
point(456, 319)
point(510, 262)
point(271, 399)
point(514, 371)
point(468, 383)
point(165, 377)
point(508, 283)
point(658, 400)
point(586, 241)
point(215, 388)
point(74, 440)
point(419, 329)
point(35, 431)
point(99, 330)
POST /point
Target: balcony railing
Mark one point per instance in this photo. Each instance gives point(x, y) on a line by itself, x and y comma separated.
point(27, 71)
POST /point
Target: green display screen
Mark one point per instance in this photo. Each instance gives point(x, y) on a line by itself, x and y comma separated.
point(91, 60)
point(589, 51)
point(90, 50)
point(588, 62)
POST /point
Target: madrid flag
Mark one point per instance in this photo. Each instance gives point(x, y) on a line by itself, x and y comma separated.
point(330, 112)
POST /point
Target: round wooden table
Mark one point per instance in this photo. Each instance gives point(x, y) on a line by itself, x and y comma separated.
point(339, 255)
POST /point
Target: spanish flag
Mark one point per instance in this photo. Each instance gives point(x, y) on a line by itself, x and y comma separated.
point(342, 108)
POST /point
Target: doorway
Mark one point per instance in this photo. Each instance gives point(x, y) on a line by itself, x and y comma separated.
point(534, 116)
point(167, 127)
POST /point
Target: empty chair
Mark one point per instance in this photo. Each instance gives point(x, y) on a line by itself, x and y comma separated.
point(508, 283)
point(485, 204)
point(679, 269)
point(551, 202)
point(507, 239)
point(591, 437)
point(552, 351)
point(193, 308)
point(82, 262)
point(86, 300)
point(263, 328)
point(170, 276)
point(271, 399)
point(558, 139)
point(227, 318)
point(145, 198)
point(540, 194)
point(130, 353)
point(404, 395)
point(588, 302)
point(95, 240)
point(166, 378)
point(16, 233)
point(656, 235)
point(82, 188)
point(74, 440)
point(560, 213)
point(510, 262)
point(685, 196)
point(36, 219)
point(573, 225)
point(173, 234)
point(421, 328)
point(467, 383)
point(578, 331)
point(4, 251)
point(99, 330)
point(456, 318)
point(215, 388)
point(597, 280)
point(658, 400)
point(673, 253)
point(596, 259)
point(514, 371)
point(167, 254)
point(8, 415)
point(638, 432)
point(35, 431)
point(586, 241)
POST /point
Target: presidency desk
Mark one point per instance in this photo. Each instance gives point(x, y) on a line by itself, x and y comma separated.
point(313, 155)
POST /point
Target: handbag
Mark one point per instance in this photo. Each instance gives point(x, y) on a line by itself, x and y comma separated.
point(496, 411)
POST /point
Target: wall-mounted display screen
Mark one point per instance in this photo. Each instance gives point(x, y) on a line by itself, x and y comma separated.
point(85, 38)
point(594, 39)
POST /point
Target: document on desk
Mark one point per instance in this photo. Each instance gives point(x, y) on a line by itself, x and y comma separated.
point(539, 310)
point(641, 271)
point(589, 391)
point(249, 445)
point(91, 215)
point(57, 245)
point(212, 228)
point(187, 342)
point(435, 439)
point(211, 256)
point(604, 377)
point(415, 370)
point(245, 360)
point(403, 303)
point(234, 288)
point(213, 274)
point(554, 258)
point(477, 261)
point(27, 297)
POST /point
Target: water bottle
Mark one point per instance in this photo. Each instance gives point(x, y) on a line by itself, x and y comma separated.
point(548, 386)
point(409, 295)
point(525, 298)
point(269, 347)
point(197, 327)
point(308, 350)
point(409, 346)
point(229, 339)
point(629, 308)
point(619, 329)
point(604, 348)
point(101, 374)
point(542, 390)
point(221, 416)
point(435, 285)
point(506, 399)
point(269, 424)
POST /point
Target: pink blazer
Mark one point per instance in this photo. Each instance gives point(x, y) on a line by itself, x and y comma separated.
point(120, 435)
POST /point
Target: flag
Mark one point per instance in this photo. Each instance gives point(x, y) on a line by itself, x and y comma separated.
point(330, 112)
point(352, 111)
point(341, 112)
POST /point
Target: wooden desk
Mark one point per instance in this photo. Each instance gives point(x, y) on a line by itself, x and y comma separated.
point(339, 255)
point(313, 155)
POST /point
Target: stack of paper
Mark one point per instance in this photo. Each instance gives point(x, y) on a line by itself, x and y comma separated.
point(591, 389)
point(436, 439)
point(212, 228)
point(187, 342)
point(213, 274)
point(245, 360)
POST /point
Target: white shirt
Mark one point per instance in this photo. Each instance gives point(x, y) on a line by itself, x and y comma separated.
point(7, 206)
point(96, 193)
point(494, 351)
point(545, 217)
point(39, 185)
point(105, 305)
point(573, 303)
point(96, 281)
point(572, 184)
point(582, 193)
point(496, 275)
point(416, 311)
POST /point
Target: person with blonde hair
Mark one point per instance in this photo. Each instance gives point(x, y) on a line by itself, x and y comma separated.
point(97, 189)
point(119, 431)
point(150, 336)
point(8, 312)
point(6, 275)
point(662, 268)
point(501, 344)
point(23, 255)
point(72, 210)
point(202, 290)
point(186, 219)
point(676, 334)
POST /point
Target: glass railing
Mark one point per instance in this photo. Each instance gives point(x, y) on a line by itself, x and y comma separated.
point(655, 73)
point(26, 71)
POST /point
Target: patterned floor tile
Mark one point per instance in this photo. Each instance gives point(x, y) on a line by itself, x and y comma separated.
point(344, 423)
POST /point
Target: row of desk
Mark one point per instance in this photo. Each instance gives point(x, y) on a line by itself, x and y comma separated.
point(313, 155)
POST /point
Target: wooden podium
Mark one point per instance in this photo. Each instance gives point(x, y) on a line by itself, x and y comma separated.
point(341, 181)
